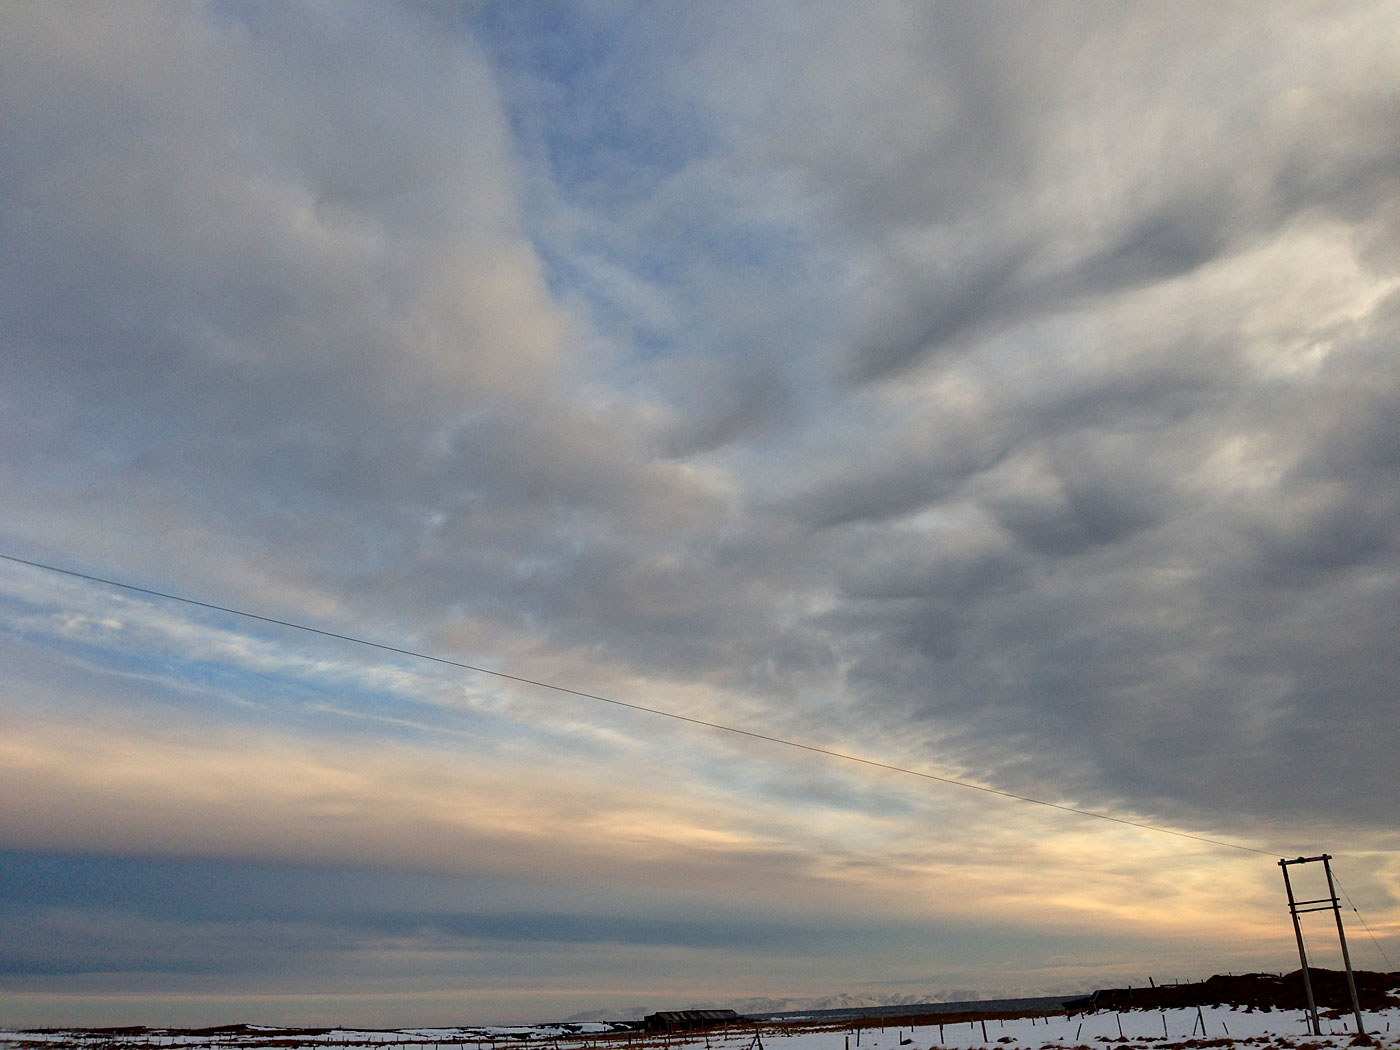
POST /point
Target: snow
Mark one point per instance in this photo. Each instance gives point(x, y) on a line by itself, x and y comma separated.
point(1143, 1028)
point(1178, 1029)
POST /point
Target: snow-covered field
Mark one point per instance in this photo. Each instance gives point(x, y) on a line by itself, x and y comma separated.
point(1139, 1028)
point(1131, 1030)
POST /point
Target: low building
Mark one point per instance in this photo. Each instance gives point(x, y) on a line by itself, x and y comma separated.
point(687, 1020)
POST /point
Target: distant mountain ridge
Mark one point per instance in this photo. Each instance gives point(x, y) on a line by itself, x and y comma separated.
point(1376, 991)
point(760, 1006)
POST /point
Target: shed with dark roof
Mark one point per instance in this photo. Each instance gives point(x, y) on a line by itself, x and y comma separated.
point(687, 1020)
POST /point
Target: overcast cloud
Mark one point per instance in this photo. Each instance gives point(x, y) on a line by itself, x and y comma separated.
point(1008, 392)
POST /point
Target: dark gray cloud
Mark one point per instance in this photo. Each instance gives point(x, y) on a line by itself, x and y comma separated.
point(999, 167)
point(1108, 618)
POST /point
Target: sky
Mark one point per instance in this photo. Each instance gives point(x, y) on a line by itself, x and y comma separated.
point(1008, 393)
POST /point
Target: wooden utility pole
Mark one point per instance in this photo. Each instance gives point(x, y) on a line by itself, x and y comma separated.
point(1302, 952)
point(1342, 937)
point(1296, 908)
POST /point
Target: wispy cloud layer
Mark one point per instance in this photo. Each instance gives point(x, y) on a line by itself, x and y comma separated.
point(1008, 393)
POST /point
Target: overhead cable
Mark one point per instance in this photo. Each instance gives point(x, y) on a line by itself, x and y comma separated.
point(661, 712)
point(1367, 926)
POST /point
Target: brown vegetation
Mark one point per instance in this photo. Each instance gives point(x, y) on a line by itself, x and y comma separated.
point(1254, 991)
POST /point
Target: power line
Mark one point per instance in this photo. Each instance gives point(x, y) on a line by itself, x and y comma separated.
point(1364, 923)
point(767, 738)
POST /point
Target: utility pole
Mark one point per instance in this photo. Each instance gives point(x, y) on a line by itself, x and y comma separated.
point(1342, 937)
point(1302, 952)
point(1296, 908)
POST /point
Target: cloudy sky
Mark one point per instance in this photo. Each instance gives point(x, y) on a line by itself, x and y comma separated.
point(1006, 392)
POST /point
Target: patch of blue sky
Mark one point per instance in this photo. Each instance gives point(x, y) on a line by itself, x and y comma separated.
point(141, 659)
point(701, 236)
point(628, 194)
point(585, 83)
point(656, 287)
point(114, 653)
point(737, 295)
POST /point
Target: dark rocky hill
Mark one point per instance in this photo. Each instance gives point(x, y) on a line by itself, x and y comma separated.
point(1259, 991)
